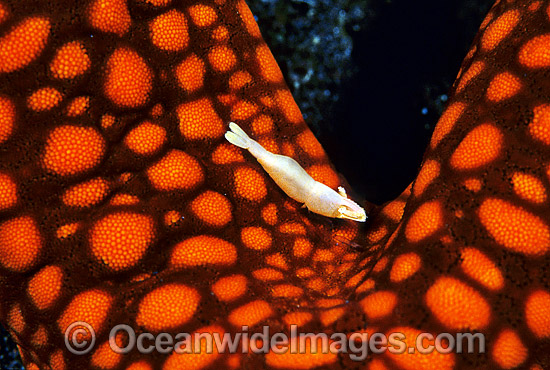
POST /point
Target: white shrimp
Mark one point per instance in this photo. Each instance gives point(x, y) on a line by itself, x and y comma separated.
point(296, 182)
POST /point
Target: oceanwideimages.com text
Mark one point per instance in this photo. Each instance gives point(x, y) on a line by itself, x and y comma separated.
point(80, 339)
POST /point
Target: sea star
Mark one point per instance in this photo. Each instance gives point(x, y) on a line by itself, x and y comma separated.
point(122, 203)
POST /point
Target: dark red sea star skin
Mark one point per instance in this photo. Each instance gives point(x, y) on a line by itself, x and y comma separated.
point(121, 202)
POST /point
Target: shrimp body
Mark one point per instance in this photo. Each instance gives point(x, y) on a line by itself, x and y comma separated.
point(296, 182)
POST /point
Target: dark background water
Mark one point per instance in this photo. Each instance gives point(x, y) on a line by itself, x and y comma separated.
point(370, 77)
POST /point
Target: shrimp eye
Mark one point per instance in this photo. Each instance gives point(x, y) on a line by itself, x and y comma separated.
point(351, 214)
